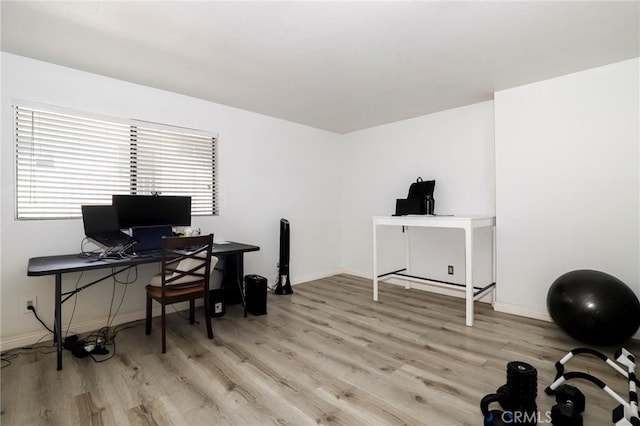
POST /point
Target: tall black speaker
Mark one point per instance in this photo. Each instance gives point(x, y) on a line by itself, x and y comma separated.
point(283, 286)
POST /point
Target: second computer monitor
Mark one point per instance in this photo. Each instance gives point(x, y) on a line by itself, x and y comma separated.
point(150, 210)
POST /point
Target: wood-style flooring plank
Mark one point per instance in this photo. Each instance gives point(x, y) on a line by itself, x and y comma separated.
point(327, 354)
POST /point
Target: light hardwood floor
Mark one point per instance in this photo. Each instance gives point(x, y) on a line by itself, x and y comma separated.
point(327, 354)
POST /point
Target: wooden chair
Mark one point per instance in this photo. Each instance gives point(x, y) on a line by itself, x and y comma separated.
point(186, 270)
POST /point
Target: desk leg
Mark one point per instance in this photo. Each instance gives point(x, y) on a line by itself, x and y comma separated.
point(240, 280)
point(468, 243)
point(57, 327)
point(233, 279)
point(375, 265)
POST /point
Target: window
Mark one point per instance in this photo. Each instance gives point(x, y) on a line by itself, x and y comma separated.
point(66, 159)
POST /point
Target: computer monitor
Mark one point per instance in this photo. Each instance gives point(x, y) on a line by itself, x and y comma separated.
point(151, 210)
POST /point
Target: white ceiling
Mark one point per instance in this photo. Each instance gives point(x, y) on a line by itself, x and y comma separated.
point(339, 66)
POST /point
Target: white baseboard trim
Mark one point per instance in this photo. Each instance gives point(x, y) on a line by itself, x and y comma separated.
point(507, 308)
point(92, 325)
point(309, 278)
point(32, 338)
point(355, 274)
point(79, 328)
point(522, 311)
point(527, 312)
point(28, 339)
point(23, 340)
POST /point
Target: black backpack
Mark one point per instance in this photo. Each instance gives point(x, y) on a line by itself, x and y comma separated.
point(421, 189)
point(419, 200)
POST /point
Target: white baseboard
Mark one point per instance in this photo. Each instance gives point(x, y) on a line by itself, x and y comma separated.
point(309, 278)
point(28, 339)
point(32, 338)
point(522, 311)
point(84, 327)
point(92, 325)
point(355, 274)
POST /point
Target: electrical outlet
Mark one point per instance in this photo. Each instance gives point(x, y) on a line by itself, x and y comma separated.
point(450, 270)
point(29, 302)
point(217, 308)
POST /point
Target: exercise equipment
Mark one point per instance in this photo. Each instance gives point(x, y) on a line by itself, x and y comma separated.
point(563, 414)
point(571, 395)
point(626, 413)
point(517, 398)
point(594, 307)
point(570, 403)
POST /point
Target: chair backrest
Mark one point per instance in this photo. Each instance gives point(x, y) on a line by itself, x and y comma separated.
point(186, 261)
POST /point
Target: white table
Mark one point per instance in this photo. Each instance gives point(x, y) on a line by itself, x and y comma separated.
point(472, 293)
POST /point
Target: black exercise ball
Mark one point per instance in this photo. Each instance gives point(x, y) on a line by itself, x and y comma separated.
point(594, 307)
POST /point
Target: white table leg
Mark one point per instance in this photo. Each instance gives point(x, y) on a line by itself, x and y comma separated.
point(494, 272)
point(407, 256)
point(468, 245)
point(375, 265)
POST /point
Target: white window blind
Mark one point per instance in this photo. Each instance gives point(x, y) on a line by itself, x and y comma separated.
point(66, 160)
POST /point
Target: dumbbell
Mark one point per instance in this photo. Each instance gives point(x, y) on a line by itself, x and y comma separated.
point(563, 414)
point(517, 398)
point(570, 405)
point(572, 395)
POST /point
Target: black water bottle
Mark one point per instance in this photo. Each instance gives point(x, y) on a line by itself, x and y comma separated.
point(429, 204)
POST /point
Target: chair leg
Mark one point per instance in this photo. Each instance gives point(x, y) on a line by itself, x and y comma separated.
point(192, 311)
point(164, 337)
point(148, 317)
point(207, 316)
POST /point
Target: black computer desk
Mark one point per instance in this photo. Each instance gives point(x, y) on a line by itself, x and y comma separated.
point(231, 252)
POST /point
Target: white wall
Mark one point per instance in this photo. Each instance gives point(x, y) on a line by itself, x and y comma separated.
point(269, 169)
point(567, 181)
point(454, 147)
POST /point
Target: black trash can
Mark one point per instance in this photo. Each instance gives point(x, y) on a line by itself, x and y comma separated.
point(255, 294)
